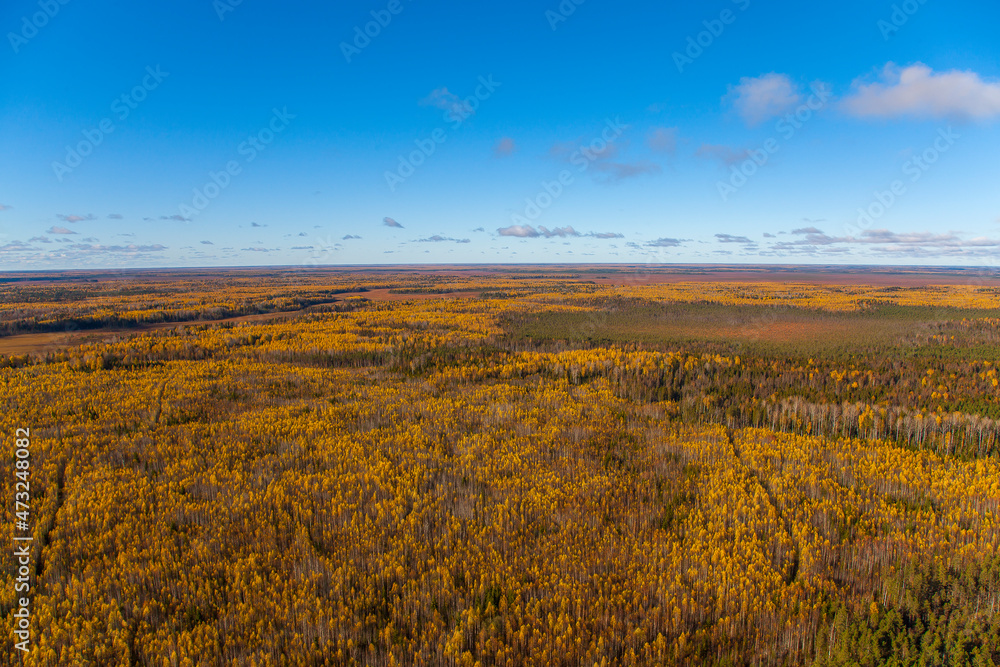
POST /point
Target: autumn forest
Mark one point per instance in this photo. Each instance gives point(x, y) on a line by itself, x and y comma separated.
point(534, 466)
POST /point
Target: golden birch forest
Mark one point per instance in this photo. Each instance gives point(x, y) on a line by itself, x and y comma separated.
point(503, 467)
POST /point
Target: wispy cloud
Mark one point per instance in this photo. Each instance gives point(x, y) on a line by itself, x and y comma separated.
point(757, 99)
point(665, 242)
point(529, 232)
point(15, 246)
point(603, 158)
point(933, 241)
point(618, 171)
point(437, 238)
point(729, 238)
point(920, 92)
point(727, 155)
point(445, 100)
point(886, 243)
point(59, 230)
point(116, 249)
point(389, 222)
point(504, 147)
point(662, 139)
point(175, 217)
point(75, 218)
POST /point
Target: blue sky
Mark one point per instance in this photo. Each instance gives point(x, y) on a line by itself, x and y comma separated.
point(206, 133)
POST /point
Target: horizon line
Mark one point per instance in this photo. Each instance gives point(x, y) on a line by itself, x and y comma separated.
point(412, 265)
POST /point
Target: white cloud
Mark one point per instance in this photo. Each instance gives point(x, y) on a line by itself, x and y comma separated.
point(729, 238)
point(918, 91)
point(885, 243)
point(529, 232)
point(75, 218)
point(662, 242)
point(561, 232)
point(15, 246)
point(437, 238)
point(104, 249)
point(764, 97)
